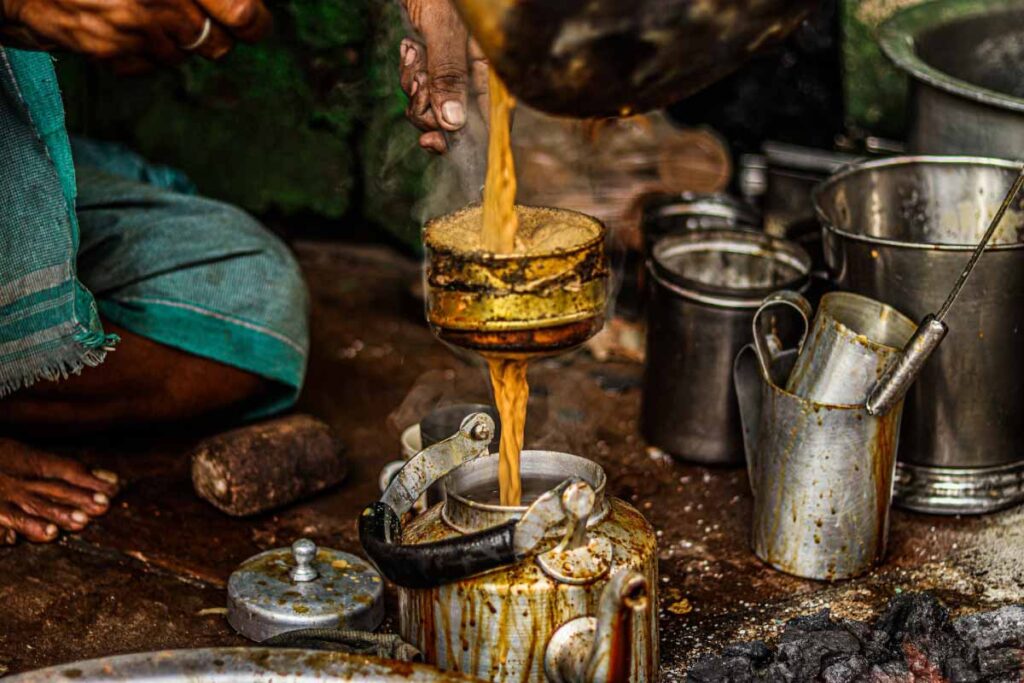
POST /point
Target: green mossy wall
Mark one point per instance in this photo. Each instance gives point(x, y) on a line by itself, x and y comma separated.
point(307, 123)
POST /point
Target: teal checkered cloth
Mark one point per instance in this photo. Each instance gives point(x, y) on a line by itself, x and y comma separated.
point(49, 322)
point(131, 242)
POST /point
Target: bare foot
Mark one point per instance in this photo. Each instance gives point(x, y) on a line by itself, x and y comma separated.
point(41, 493)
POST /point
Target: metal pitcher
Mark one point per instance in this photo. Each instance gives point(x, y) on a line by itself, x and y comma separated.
point(562, 590)
point(821, 474)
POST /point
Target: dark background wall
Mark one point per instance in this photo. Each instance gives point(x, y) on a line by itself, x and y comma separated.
point(307, 129)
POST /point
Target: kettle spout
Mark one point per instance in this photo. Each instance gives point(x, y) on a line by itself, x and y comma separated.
point(600, 649)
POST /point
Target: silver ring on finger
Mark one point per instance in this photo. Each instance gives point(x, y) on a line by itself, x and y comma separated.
point(204, 34)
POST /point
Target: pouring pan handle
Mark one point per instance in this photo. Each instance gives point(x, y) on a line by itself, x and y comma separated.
point(767, 342)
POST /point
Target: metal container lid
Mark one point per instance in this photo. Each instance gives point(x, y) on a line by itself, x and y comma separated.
point(287, 589)
point(730, 268)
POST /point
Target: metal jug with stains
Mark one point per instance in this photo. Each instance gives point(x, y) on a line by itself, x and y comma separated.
point(616, 57)
point(821, 473)
point(562, 589)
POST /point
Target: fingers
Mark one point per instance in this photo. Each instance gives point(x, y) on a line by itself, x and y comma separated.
point(247, 20)
point(411, 61)
point(92, 503)
point(445, 37)
point(479, 74)
point(31, 527)
point(8, 536)
point(218, 41)
point(434, 141)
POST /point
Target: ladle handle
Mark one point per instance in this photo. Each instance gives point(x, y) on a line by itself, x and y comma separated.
point(903, 370)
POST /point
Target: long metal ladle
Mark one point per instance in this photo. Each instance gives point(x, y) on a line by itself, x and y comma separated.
point(900, 374)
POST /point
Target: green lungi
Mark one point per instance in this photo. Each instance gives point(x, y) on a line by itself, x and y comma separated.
point(121, 242)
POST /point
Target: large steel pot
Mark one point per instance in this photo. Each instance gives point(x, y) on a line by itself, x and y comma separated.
point(900, 230)
point(965, 59)
point(614, 57)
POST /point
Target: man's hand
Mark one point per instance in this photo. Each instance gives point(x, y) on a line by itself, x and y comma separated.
point(442, 71)
point(132, 35)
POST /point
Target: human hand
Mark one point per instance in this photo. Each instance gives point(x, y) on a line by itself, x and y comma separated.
point(133, 35)
point(442, 71)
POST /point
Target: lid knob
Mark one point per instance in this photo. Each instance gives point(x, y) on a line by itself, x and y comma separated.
point(304, 551)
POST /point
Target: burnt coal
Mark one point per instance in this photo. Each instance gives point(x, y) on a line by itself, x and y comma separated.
point(914, 640)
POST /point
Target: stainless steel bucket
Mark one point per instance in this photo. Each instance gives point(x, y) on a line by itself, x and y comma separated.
point(965, 59)
point(821, 474)
point(900, 231)
point(705, 288)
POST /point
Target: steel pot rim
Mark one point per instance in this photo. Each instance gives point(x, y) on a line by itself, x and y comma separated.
point(907, 160)
point(746, 242)
point(897, 37)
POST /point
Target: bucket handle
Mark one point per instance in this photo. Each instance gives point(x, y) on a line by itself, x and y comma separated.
point(767, 343)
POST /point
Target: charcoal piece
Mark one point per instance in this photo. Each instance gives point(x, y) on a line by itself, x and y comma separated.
point(756, 651)
point(1003, 627)
point(1000, 660)
point(847, 669)
point(712, 669)
point(914, 639)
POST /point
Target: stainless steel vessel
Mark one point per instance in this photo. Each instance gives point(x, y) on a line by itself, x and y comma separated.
point(821, 473)
point(705, 288)
point(240, 665)
point(965, 59)
point(561, 590)
point(900, 230)
point(616, 57)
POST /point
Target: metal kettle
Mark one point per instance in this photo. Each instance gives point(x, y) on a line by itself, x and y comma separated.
point(562, 591)
point(617, 57)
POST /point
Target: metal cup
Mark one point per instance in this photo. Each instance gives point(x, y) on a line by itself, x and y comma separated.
point(852, 340)
point(822, 474)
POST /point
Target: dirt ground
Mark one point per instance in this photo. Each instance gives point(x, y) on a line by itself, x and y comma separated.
point(152, 573)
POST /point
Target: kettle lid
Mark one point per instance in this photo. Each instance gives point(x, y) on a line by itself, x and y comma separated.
point(288, 589)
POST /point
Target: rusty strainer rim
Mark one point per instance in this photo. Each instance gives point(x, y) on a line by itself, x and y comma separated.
point(468, 289)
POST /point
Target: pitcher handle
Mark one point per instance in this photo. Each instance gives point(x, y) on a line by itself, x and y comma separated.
point(767, 344)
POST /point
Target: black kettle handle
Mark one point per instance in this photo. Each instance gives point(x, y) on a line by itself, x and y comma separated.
point(428, 565)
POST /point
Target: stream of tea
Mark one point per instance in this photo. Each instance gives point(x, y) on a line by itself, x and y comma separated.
point(500, 223)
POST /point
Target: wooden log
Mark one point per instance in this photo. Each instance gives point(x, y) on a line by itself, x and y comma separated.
point(266, 465)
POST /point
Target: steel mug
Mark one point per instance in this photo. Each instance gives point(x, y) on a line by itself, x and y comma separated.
point(851, 341)
point(821, 474)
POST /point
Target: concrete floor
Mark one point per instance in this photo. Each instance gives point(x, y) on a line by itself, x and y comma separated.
point(152, 573)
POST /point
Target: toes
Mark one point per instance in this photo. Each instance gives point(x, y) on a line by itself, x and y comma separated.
point(29, 462)
point(93, 503)
point(33, 528)
point(65, 516)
